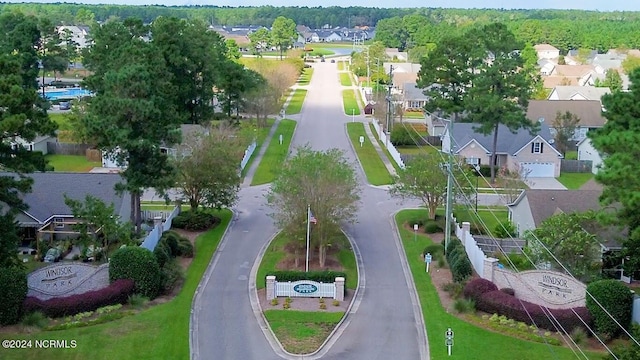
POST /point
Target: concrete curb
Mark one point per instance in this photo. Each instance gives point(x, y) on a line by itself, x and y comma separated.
point(337, 331)
point(194, 351)
point(423, 340)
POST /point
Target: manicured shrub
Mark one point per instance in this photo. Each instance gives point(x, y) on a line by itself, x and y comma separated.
point(497, 302)
point(616, 298)
point(162, 253)
point(432, 227)
point(138, 264)
point(185, 248)
point(319, 276)
point(195, 220)
point(171, 239)
point(116, 293)
point(462, 269)
point(434, 249)
point(508, 291)
point(454, 255)
point(453, 243)
point(171, 274)
point(476, 287)
point(14, 290)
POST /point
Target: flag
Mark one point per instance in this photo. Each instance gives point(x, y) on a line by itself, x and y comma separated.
point(312, 219)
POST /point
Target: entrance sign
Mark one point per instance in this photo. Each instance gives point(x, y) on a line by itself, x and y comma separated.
point(305, 288)
point(64, 279)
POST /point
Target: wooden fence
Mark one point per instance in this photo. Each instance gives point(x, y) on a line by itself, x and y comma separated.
point(576, 166)
point(54, 147)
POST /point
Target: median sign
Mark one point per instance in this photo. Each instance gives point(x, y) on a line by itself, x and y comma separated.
point(361, 140)
point(448, 340)
point(427, 260)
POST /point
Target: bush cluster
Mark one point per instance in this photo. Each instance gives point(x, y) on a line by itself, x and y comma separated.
point(140, 265)
point(436, 250)
point(116, 293)
point(461, 268)
point(318, 276)
point(432, 227)
point(489, 299)
point(195, 220)
point(401, 136)
point(170, 246)
point(616, 298)
point(14, 291)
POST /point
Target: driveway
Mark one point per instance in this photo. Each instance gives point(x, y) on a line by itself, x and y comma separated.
point(546, 183)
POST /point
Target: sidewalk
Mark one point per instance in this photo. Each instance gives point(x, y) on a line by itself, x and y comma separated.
point(381, 153)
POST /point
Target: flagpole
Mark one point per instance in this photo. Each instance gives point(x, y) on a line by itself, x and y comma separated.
point(308, 228)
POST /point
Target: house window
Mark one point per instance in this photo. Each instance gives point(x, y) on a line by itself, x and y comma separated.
point(164, 150)
point(30, 147)
point(59, 223)
point(473, 161)
point(537, 147)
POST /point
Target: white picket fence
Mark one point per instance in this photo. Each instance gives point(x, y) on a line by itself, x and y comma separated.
point(287, 289)
point(151, 240)
point(387, 143)
point(475, 254)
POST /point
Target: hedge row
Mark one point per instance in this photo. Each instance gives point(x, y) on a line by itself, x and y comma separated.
point(14, 291)
point(138, 264)
point(489, 299)
point(459, 264)
point(116, 293)
point(171, 245)
point(195, 220)
point(617, 299)
point(318, 276)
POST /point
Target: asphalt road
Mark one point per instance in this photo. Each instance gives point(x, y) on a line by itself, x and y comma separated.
point(385, 323)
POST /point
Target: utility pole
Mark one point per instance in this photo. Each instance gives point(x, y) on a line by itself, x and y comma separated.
point(389, 103)
point(368, 69)
point(449, 210)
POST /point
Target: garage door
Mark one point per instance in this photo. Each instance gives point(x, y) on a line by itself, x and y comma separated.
point(537, 169)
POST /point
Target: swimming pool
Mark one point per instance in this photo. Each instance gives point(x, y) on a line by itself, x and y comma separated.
point(69, 93)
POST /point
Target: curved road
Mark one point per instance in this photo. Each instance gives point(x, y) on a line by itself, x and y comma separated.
point(386, 322)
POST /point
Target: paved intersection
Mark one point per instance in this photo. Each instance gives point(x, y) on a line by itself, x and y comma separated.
point(386, 323)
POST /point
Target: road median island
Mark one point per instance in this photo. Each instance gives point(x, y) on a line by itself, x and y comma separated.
point(275, 154)
point(372, 165)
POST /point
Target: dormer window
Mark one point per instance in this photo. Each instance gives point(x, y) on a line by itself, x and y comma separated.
point(537, 147)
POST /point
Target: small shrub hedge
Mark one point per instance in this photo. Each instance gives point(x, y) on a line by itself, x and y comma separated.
point(454, 255)
point(454, 243)
point(195, 220)
point(505, 230)
point(185, 248)
point(498, 302)
point(138, 264)
point(401, 136)
point(162, 253)
point(462, 269)
point(616, 298)
point(116, 293)
point(14, 291)
point(436, 250)
point(476, 287)
point(319, 276)
point(432, 227)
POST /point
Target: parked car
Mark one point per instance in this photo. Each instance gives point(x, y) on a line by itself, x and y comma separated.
point(65, 105)
point(53, 255)
point(333, 61)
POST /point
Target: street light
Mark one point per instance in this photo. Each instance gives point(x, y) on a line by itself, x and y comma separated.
point(477, 167)
point(41, 66)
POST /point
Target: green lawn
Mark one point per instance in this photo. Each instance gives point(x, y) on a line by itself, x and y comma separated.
point(160, 332)
point(260, 136)
point(413, 115)
point(571, 155)
point(345, 79)
point(302, 332)
point(573, 181)
point(374, 169)
point(71, 163)
point(295, 105)
point(350, 102)
point(341, 65)
point(471, 342)
point(384, 149)
point(417, 150)
point(305, 77)
point(275, 154)
point(487, 218)
point(319, 51)
point(62, 119)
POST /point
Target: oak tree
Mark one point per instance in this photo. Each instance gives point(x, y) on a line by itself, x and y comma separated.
point(564, 126)
point(283, 33)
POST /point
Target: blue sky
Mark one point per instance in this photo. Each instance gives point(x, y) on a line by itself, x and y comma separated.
point(602, 5)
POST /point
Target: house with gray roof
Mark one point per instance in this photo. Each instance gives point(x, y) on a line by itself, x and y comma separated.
point(578, 93)
point(589, 113)
point(530, 154)
point(48, 217)
point(533, 207)
point(413, 97)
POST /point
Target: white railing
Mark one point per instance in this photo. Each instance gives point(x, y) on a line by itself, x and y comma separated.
point(247, 155)
point(323, 290)
point(151, 240)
